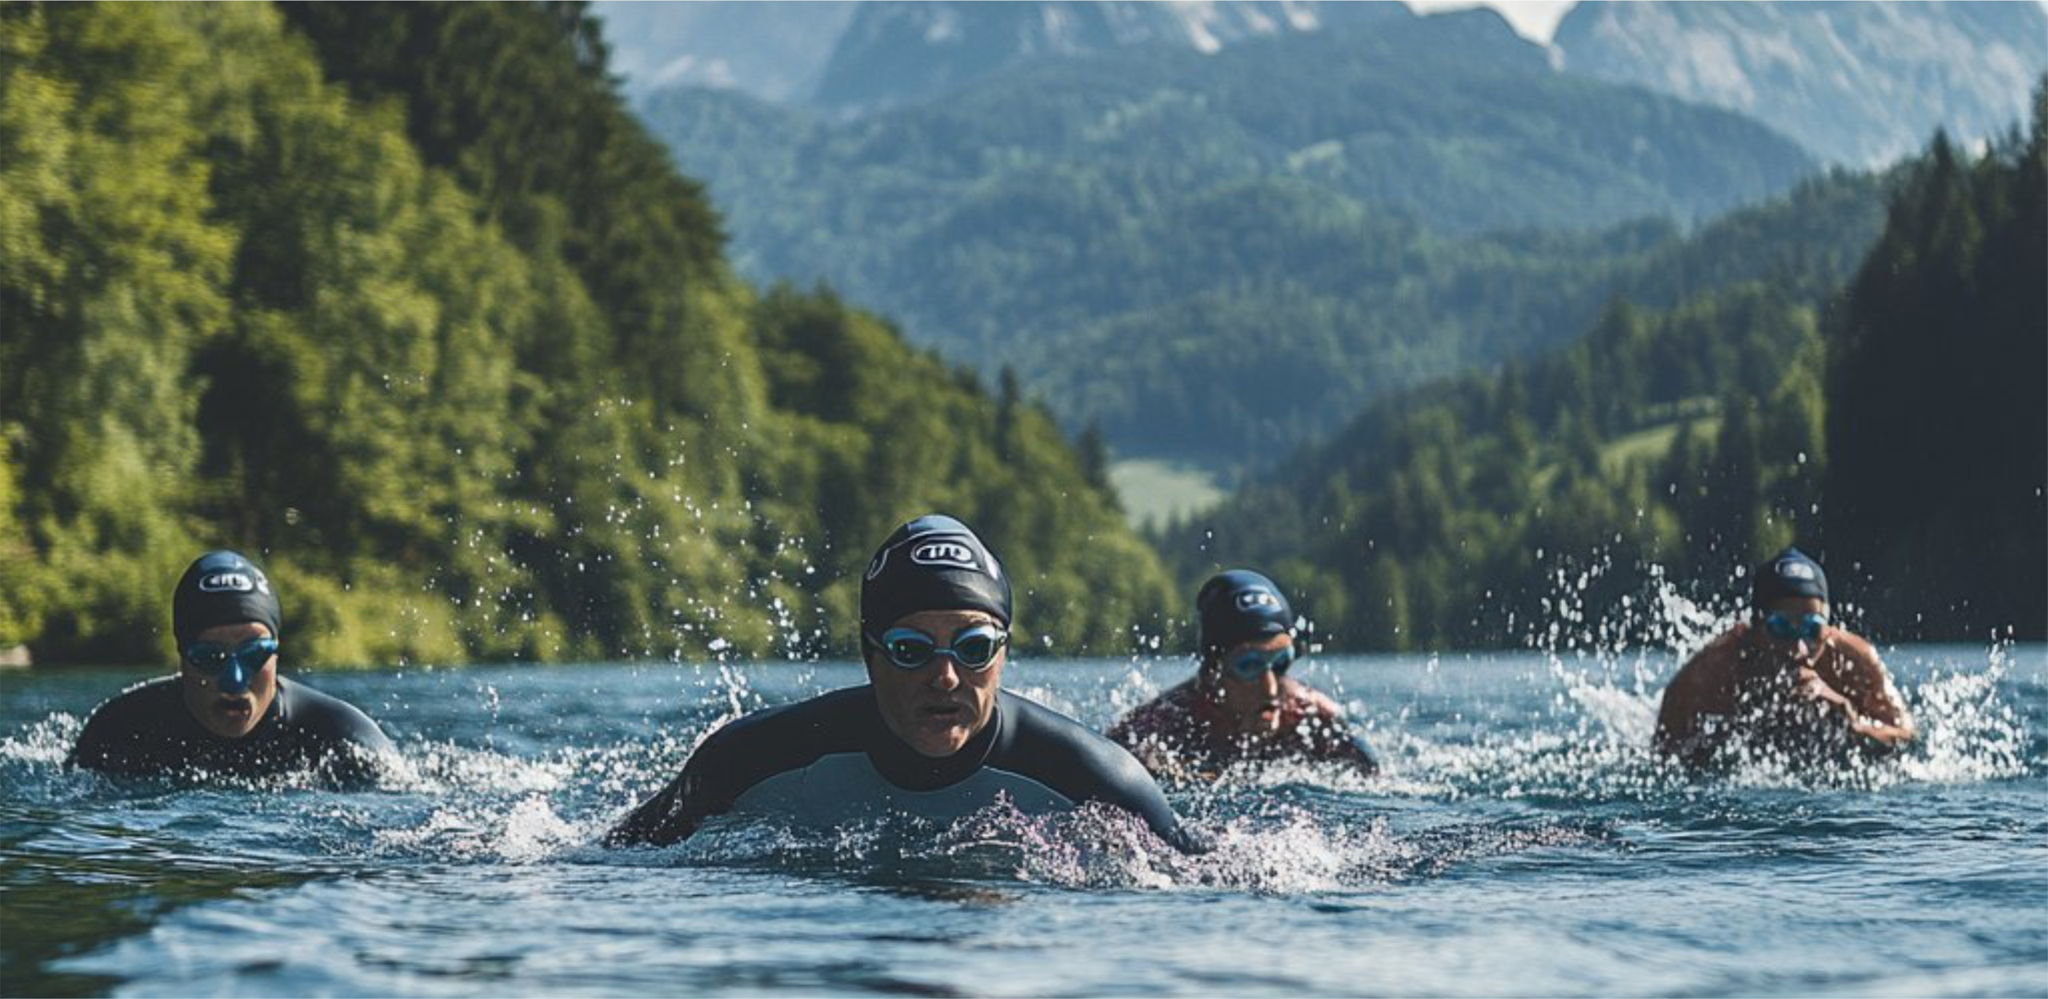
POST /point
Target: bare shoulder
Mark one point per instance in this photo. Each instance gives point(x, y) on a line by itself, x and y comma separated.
point(1852, 660)
point(1714, 664)
point(1855, 648)
point(1855, 669)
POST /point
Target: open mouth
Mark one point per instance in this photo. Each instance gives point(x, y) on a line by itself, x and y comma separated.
point(235, 707)
point(942, 712)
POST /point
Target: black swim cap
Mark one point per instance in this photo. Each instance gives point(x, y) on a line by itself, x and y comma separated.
point(1240, 605)
point(1790, 573)
point(932, 563)
point(222, 588)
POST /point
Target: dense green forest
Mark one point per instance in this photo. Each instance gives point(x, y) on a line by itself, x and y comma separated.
point(1364, 204)
point(1896, 428)
point(1287, 342)
point(1938, 399)
point(400, 299)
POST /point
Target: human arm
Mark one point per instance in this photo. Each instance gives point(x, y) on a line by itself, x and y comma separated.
point(1695, 703)
point(1126, 784)
point(128, 734)
point(704, 788)
point(1849, 682)
point(1330, 737)
point(97, 745)
point(663, 819)
point(346, 744)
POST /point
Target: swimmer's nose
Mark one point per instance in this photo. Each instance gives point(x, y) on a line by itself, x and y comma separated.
point(1269, 682)
point(945, 673)
point(234, 679)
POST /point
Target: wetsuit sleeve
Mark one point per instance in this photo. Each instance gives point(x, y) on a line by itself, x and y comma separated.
point(742, 754)
point(675, 812)
point(349, 746)
point(118, 736)
point(1069, 758)
point(1125, 783)
point(98, 745)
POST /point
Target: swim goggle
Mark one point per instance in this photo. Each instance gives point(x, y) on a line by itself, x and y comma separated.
point(234, 667)
point(973, 648)
point(1807, 628)
point(1252, 662)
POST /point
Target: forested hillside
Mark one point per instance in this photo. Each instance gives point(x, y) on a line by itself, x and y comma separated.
point(1896, 429)
point(1109, 225)
point(400, 299)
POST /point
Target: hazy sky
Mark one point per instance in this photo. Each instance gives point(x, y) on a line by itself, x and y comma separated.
point(1535, 20)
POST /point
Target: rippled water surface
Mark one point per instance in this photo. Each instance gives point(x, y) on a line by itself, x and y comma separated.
point(1524, 843)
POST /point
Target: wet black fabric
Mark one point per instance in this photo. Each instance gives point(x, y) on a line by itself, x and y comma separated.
point(1021, 738)
point(147, 730)
point(1239, 605)
point(1790, 573)
point(223, 587)
point(932, 563)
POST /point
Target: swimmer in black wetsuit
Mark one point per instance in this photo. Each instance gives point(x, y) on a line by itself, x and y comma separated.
point(931, 733)
point(227, 711)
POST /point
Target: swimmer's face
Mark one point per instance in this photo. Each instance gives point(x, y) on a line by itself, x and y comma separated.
point(1253, 703)
point(936, 708)
point(230, 716)
point(1791, 652)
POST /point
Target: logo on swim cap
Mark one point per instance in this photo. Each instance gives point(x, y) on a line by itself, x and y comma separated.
point(1794, 569)
point(1256, 598)
point(955, 553)
point(231, 582)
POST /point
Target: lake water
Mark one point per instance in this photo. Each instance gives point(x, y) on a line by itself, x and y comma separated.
point(1524, 843)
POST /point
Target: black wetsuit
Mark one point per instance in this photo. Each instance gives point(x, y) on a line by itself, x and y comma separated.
point(831, 758)
point(148, 730)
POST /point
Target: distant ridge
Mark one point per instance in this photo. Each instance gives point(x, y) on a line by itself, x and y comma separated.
point(1857, 83)
point(900, 52)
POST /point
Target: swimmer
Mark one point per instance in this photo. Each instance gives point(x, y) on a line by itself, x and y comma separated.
point(228, 711)
point(1241, 704)
point(931, 733)
point(1787, 679)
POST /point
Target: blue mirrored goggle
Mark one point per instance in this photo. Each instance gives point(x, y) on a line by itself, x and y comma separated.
point(973, 648)
point(233, 666)
point(1807, 628)
point(1247, 665)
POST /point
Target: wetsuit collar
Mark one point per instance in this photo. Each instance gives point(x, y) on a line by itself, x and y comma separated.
point(913, 771)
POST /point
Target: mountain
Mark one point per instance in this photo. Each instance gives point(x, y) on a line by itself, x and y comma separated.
point(1857, 83)
point(1326, 193)
point(897, 53)
point(767, 48)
